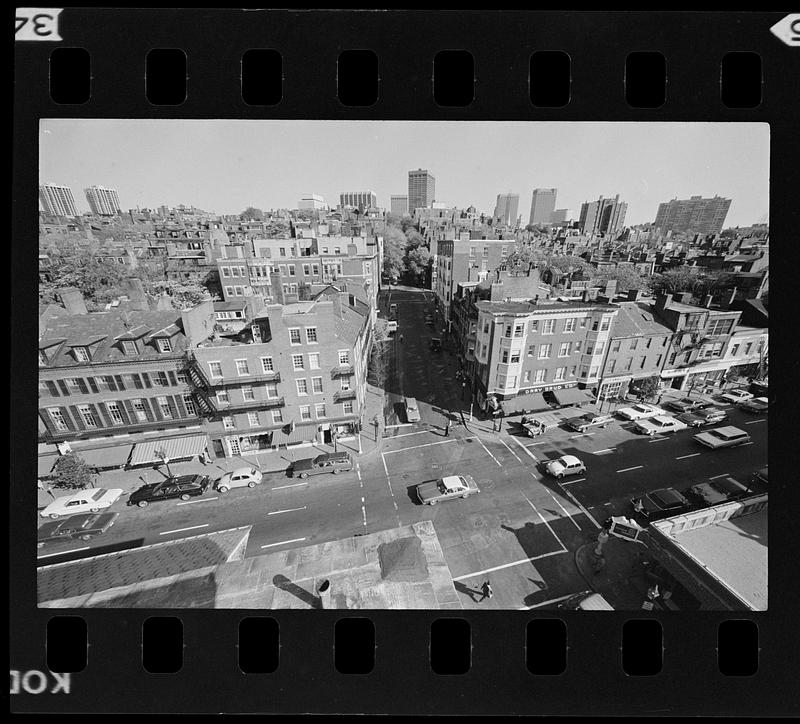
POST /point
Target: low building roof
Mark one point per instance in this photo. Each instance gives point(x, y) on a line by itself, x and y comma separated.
point(636, 319)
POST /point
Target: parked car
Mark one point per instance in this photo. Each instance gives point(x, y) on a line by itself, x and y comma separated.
point(447, 488)
point(565, 465)
point(639, 411)
point(92, 500)
point(736, 396)
point(685, 404)
point(711, 415)
point(659, 424)
point(760, 476)
point(84, 526)
point(392, 311)
point(718, 491)
point(723, 437)
point(757, 404)
point(661, 504)
point(178, 486)
point(335, 463)
point(436, 344)
point(587, 421)
point(412, 410)
point(585, 601)
point(391, 327)
point(692, 419)
point(239, 478)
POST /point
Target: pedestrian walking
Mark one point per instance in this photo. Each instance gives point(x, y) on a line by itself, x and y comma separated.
point(447, 428)
point(401, 337)
point(486, 590)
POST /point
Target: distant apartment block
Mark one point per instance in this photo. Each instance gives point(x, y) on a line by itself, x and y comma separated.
point(505, 210)
point(543, 203)
point(399, 205)
point(57, 200)
point(358, 199)
point(695, 215)
point(313, 202)
point(421, 189)
point(102, 201)
point(559, 216)
point(604, 216)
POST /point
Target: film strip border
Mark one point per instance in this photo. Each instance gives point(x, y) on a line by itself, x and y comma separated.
point(654, 66)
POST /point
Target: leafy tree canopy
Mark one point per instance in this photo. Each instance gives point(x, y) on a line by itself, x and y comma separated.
point(71, 472)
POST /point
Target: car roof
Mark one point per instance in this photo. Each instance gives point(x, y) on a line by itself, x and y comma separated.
point(728, 430)
point(452, 481)
point(569, 460)
point(666, 495)
point(179, 479)
point(241, 471)
point(333, 456)
point(661, 418)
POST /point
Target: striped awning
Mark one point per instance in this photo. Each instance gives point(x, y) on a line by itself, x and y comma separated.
point(176, 448)
point(524, 403)
point(301, 433)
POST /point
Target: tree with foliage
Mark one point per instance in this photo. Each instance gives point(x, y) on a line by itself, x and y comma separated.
point(648, 388)
point(414, 238)
point(394, 249)
point(625, 277)
point(71, 472)
point(691, 279)
point(252, 214)
point(184, 294)
point(417, 260)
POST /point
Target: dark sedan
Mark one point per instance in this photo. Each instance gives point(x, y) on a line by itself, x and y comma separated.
point(661, 504)
point(685, 404)
point(181, 486)
point(83, 527)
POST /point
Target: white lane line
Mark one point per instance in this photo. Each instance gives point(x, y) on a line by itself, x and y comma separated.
point(754, 422)
point(201, 500)
point(383, 460)
point(402, 424)
point(722, 475)
point(427, 444)
point(508, 565)
point(745, 444)
point(570, 482)
point(659, 439)
point(181, 530)
point(683, 457)
point(63, 553)
point(635, 467)
point(524, 448)
point(558, 503)
point(542, 442)
point(288, 510)
point(363, 512)
point(541, 517)
point(283, 542)
point(487, 451)
point(293, 485)
point(575, 500)
point(546, 603)
point(511, 451)
point(604, 450)
point(407, 434)
point(583, 434)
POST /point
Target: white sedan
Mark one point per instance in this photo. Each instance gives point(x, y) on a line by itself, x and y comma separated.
point(660, 424)
point(640, 411)
point(86, 501)
point(737, 396)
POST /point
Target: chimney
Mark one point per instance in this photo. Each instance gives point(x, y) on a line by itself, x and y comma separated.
point(663, 301)
point(585, 295)
point(685, 297)
point(72, 300)
point(135, 291)
point(707, 301)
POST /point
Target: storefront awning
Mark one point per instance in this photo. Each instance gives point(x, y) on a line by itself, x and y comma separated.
point(301, 433)
point(572, 396)
point(107, 457)
point(176, 448)
point(524, 403)
point(46, 463)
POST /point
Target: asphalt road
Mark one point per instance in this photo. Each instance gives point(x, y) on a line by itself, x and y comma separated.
point(520, 532)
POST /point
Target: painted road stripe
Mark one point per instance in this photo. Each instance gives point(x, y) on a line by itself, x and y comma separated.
point(541, 517)
point(546, 603)
point(575, 500)
point(288, 510)
point(293, 485)
point(605, 450)
point(583, 434)
point(283, 542)
point(722, 475)
point(181, 530)
point(659, 439)
point(523, 447)
point(427, 444)
point(402, 424)
point(201, 500)
point(635, 467)
point(363, 512)
point(507, 565)
point(558, 503)
point(683, 457)
point(63, 553)
point(570, 482)
point(510, 450)
point(487, 451)
point(406, 434)
point(755, 422)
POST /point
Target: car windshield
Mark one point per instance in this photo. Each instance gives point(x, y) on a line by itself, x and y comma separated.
point(666, 498)
point(639, 408)
point(97, 494)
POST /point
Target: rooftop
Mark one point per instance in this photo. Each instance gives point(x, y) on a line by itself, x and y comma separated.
point(636, 319)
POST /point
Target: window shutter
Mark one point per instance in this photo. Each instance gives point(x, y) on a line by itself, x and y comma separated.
point(137, 381)
point(92, 384)
point(64, 388)
point(53, 388)
point(146, 378)
point(73, 419)
point(102, 414)
point(120, 384)
point(128, 413)
point(173, 406)
point(173, 380)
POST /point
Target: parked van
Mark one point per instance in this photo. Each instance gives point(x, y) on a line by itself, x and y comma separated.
point(412, 410)
point(392, 311)
point(586, 601)
point(391, 327)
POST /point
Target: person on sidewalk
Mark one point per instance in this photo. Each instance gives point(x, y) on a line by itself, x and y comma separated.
point(486, 590)
point(447, 428)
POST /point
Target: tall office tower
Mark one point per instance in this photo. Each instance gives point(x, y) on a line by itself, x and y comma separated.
point(604, 216)
point(399, 205)
point(505, 210)
point(360, 199)
point(543, 202)
point(57, 200)
point(102, 201)
point(694, 215)
point(421, 189)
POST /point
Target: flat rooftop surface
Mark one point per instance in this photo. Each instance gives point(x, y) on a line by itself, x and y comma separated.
point(396, 568)
point(735, 551)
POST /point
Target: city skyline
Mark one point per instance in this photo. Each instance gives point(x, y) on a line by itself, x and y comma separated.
point(225, 166)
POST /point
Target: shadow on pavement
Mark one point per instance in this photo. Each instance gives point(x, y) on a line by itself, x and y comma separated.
point(282, 582)
point(471, 592)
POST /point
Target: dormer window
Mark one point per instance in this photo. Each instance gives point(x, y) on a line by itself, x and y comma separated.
point(163, 345)
point(129, 347)
point(82, 354)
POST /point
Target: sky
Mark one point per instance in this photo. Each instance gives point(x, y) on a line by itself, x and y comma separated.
point(226, 166)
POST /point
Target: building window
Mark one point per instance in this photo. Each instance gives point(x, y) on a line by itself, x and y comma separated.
point(534, 325)
point(515, 357)
point(315, 268)
point(228, 291)
point(252, 419)
point(615, 346)
point(239, 291)
point(578, 346)
point(486, 327)
point(544, 351)
point(672, 358)
point(658, 360)
point(612, 366)
point(347, 407)
point(129, 348)
point(242, 368)
point(642, 362)
point(164, 345)
point(747, 349)
point(634, 343)
point(277, 416)
point(267, 364)
point(81, 354)
point(115, 413)
point(223, 397)
point(292, 271)
point(313, 361)
point(319, 410)
point(159, 379)
point(226, 272)
point(519, 330)
point(648, 343)
point(508, 330)
point(316, 385)
point(569, 324)
point(311, 335)
point(561, 374)
point(598, 348)
point(505, 356)
point(345, 383)
point(629, 364)
point(734, 350)
point(531, 350)
point(228, 423)
point(87, 416)
point(305, 412)
point(302, 386)
point(57, 416)
point(548, 326)
point(297, 362)
point(565, 349)
point(294, 336)
point(188, 403)
point(605, 324)
point(501, 381)
point(527, 376)
point(180, 376)
point(215, 368)
point(272, 391)
point(344, 357)
point(584, 370)
point(163, 406)
point(140, 410)
point(573, 370)
point(248, 394)
point(540, 375)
